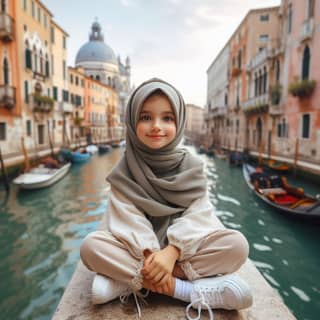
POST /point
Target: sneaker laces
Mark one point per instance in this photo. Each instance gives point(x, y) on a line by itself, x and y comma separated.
point(201, 301)
point(137, 295)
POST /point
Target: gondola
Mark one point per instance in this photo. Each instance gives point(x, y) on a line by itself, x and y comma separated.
point(276, 192)
point(277, 166)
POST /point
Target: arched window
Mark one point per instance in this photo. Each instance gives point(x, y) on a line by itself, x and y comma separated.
point(260, 83)
point(41, 63)
point(311, 4)
point(265, 78)
point(306, 63)
point(277, 70)
point(28, 56)
point(47, 66)
point(259, 131)
point(3, 5)
point(255, 84)
point(5, 71)
point(35, 56)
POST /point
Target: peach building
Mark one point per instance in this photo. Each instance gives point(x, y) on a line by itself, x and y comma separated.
point(195, 122)
point(300, 104)
point(10, 98)
point(101, 103)
point(248, 73)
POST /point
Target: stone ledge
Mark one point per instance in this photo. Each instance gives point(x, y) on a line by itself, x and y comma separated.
point(76, 304)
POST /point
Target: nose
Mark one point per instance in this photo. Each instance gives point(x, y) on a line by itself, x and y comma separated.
point(156, 125)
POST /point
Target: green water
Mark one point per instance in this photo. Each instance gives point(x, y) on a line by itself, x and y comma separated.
point(41, 231)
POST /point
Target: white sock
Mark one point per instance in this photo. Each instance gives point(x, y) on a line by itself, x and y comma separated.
point(183, 290)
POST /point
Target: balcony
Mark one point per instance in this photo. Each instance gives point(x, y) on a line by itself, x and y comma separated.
point(40, 103)
point(275, 110)
point(256, 104)
point(7, 96)
point(6, 27)
point(66, 107)
point(307, 30)
point(219, 112)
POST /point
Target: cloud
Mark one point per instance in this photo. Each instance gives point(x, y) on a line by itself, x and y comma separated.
point(127, 3)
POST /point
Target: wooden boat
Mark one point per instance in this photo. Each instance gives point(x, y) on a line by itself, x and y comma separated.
point(276, 192)
point(277, 166)
point(104, 148)
point(236, 158)
point(41, 176)
point(79, 156)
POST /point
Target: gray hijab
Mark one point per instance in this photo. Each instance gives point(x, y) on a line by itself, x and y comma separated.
point(162, 182)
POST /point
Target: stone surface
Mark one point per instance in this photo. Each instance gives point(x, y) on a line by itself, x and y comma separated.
point(76, 304)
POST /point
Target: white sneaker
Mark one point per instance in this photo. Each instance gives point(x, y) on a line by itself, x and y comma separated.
point(105, 289)
point(226, 292)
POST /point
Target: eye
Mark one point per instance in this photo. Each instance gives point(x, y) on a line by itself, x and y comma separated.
point(168, 118)
point(144, 117)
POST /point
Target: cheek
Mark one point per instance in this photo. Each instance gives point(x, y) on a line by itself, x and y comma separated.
point(140, 130)
point(172, 130)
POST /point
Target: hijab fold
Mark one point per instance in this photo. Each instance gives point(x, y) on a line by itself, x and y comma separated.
point(161, 182)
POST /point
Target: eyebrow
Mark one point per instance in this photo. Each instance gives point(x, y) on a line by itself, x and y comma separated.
point(147, 111)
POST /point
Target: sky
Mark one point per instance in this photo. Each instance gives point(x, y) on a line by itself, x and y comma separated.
point(175, 40)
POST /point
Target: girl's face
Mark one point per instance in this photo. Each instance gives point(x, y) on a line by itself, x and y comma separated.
point(156, 126)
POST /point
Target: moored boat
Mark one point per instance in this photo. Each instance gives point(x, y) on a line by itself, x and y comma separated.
point(277, 166)
point(92, 149)
point(104, 148)
point(276, 192)
point(79, 157)
point(41, 176)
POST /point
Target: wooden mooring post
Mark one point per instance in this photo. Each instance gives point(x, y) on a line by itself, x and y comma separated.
point(4, 174)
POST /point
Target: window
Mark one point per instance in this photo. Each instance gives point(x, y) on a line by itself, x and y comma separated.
point(64, 42)
point(28, 57)
point(26, 91)
point(264, 38)
point(41, 63)
point(239, 59)
point(64, 69)
point(5, 71)
point(28, 128)
point(52, 64)
point(25, 5)
point(82, 83)
point(45, 21)
point(71, 78)
point(306, 126)
point(33, 9)
point(55, 93)
point(65, 95)
point(264, 17)
point(41, 134)
point(306, 63)
point(53, 124)
point(39, 14)
point(2, 131)
point(77, 81)
point(35, 56)
point(311, 4)
point(72, 98)
point(289, 18)
point(47, 67)
point(52, 35)
point(277, 70)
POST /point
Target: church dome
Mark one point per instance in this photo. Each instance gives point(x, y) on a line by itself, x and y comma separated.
point(95, 50)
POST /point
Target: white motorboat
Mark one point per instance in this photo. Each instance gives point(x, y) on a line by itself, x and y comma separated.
point(41, 177)
point(92, 149)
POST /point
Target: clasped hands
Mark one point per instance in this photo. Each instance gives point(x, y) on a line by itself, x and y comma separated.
point(157, 270)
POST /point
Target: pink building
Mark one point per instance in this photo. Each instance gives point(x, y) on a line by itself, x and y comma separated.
point(300, 104)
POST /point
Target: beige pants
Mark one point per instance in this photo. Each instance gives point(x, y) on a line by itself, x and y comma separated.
point(223, 251)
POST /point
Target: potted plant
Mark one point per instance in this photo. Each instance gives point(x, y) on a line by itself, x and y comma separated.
point(303, 88)
point(275, 94)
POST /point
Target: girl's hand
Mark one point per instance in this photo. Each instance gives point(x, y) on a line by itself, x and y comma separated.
point(158, 265)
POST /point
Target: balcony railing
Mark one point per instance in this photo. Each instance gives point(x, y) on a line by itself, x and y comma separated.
point(66, 107)
point(40, 103)
point(6, 27)
point(7, 96)
point(307, 30)
point(256, 101)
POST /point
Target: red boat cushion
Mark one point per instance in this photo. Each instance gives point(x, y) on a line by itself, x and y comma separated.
point(285, 199)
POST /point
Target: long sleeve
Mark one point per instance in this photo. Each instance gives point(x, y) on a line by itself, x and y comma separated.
point(197, 222)
point(130, 225)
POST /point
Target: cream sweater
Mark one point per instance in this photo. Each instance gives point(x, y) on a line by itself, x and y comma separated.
point(135, 231)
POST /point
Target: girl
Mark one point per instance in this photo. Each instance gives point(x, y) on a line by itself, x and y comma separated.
point(161, 233)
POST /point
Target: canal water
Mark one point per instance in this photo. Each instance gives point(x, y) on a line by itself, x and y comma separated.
point(41, 231)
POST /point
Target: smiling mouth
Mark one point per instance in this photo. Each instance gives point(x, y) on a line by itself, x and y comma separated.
point(155, 136)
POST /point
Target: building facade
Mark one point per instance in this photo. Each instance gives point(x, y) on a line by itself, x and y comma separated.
point(273, 84)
